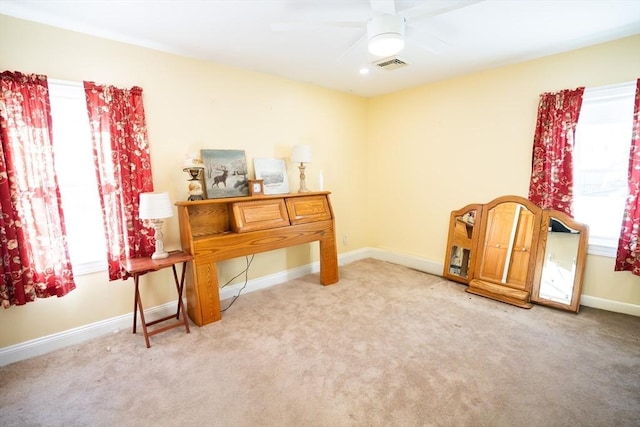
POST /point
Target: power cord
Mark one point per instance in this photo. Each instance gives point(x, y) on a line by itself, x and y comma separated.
point(246, 280)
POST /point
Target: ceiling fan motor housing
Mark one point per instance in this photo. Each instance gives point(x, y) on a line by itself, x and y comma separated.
point(386, 35)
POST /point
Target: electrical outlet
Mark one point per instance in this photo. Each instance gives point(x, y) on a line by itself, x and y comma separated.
point(344, 240)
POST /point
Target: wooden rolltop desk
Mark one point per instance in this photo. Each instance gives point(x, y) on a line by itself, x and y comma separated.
point(219, 229)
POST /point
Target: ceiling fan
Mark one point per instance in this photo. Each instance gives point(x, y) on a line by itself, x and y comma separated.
point(387, 29)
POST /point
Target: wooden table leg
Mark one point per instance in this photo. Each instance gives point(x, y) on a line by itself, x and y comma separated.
point(179, 288)
point(144, 323)
point(142, 265)
point(135, 302)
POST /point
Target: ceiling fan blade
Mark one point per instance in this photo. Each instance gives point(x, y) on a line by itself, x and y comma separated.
point(436, 7)
point(353, 46)
point(427, 41)
point(383, 7)
point(314, 26)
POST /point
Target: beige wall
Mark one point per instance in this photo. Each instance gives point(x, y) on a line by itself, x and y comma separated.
point(397, 165)
point(189, 105)
point(468, 140)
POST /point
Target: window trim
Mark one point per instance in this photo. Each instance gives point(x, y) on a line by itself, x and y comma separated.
point(600, 248)
point(84, 268)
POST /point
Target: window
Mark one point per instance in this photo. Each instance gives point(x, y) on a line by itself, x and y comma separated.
point(77, 177)
point(601, 163)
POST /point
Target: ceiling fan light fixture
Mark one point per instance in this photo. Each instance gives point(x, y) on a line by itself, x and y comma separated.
point(386, 35)
point(386, 45)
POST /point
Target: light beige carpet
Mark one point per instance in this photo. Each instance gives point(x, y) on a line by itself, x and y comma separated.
point(386, 346)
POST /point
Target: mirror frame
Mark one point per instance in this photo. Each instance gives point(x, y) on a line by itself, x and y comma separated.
point(533, 250)
point(452, 241)
point(581, 258)
point(518, 294)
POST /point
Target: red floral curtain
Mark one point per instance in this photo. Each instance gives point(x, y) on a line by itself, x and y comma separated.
point(123, 167)
point(628, 255)
point(35, 257)
point(551, 183)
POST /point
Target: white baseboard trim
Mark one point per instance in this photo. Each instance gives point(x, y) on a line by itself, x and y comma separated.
point(38, 346)
point(268, 281)
point(436, 268)
point(294, 273)
point(411, 261)
point(32, 348)
point(609, 305)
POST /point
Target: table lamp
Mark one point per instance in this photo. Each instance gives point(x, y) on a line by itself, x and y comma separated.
point(155, 207)
point(194, 167)
point(301, 154)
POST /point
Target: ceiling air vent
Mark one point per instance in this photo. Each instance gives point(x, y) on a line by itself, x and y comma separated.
point(391, 63)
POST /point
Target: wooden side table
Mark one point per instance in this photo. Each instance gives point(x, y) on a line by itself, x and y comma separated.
point(139, 266)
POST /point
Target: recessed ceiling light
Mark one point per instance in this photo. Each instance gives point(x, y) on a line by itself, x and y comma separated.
point(364, 71)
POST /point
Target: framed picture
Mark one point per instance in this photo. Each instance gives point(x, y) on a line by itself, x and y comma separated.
point(274, 174)
point(225, 173)
point(256, 187)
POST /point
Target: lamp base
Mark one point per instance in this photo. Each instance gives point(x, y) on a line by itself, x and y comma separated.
point(160, 255)
point(303, 180)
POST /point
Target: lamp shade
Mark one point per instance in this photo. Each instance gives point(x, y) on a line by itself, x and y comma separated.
point(155, 206)
point(301, 154)
point(191, 161)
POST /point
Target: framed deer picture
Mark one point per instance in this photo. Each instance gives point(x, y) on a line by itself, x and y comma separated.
point(225, 173)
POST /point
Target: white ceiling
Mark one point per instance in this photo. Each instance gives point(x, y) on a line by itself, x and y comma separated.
point(321, 41)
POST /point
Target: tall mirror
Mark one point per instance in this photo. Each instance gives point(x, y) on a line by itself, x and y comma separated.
point(513, 251)
point(508, 242)
point(506, 248)
point(563, 247)
point(459, 261)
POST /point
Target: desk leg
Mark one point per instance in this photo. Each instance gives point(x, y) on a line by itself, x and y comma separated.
point(328, 261)
point(203, 294)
